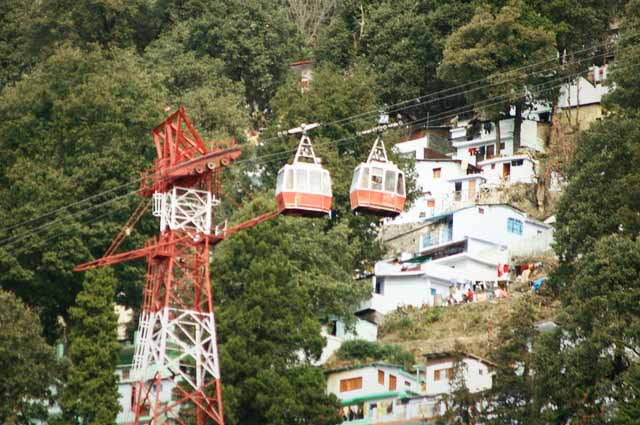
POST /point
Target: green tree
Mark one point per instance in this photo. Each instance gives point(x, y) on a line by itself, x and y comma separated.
point(626, 96)
point(602, 196)
point(401, 40)
point(87, 22)
point(628, 411)
point(597, 339)
point(576, 23)
point(463, 406)
point(76, 126)
point(90, 395)
point(273, 284)
point(213, 101)
point(255, 40)
point(512, 396)
point(495, 48)
point(28, 365)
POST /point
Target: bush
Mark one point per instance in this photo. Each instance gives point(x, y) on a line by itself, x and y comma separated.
point(358, 349)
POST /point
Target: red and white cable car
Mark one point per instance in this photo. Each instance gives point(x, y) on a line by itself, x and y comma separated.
point(378, 185)
point(304, 187)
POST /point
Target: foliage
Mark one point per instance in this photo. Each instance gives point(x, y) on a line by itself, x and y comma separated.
point(495, 48)
point(90, 395)
point(462, 405)
point(602, 196)
point(512, 397)
point(402, 40)
point(359, 349)
point(628, 410)
point(254, 39)
point(27, 364)
point(626, 96)
point(74, 127)
point(273, 285)
point(213, 101)
point(576, 23)
point(597, 341)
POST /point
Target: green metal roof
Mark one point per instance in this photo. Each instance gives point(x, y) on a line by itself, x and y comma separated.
point(377, 396)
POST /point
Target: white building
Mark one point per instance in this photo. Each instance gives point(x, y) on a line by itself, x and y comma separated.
point(374, 378)
point(476, 142)
point(406, 284)
point(453, 252)
point(379, 393)
point(445, 183)
point(509, 169)
point(438, 371)
point(336, 332)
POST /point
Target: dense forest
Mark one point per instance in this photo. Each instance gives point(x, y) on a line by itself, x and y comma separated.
point(82, 83)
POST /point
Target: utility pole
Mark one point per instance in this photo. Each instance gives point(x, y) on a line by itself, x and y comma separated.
point(177, 333)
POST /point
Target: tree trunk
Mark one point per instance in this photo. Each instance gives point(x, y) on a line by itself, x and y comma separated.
point(517, 127)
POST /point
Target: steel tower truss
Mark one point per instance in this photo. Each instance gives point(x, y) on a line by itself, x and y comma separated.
point(176, 331)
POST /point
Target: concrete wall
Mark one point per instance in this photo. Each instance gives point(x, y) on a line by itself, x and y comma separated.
point(492, 225)
point(401, 237)
point(493, 170)
point(370, 383)
point(477, 375)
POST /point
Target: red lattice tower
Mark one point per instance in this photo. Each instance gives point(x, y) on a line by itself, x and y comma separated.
point(177, 343)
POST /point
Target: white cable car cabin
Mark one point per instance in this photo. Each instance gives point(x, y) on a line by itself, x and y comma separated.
point(304, 188)
point(378, 186)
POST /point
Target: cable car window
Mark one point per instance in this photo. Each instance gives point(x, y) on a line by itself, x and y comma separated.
point(356, 176)
point(376, 178)
point(364, 178)
point(288, 181)
point(326, 183)
point(377, 175)
point(280, 181)
point(315, 181)
point(301, 179)
point(389, 181)
point(400, 188)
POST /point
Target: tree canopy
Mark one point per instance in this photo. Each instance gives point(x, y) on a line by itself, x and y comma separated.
point(27, 364)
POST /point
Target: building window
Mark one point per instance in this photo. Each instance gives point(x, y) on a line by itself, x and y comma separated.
point(125, 374)
point(381, 377)
point(450, 373)
point(491, 151)
point(350, 384)
point(514, 226)
point(379, 285)
point(437, 172)
point(434, 292)
point(517, 162)
point(480, 371)
point(437, 375)
point(433, 237)
point(431, 203)
point(392, 382)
